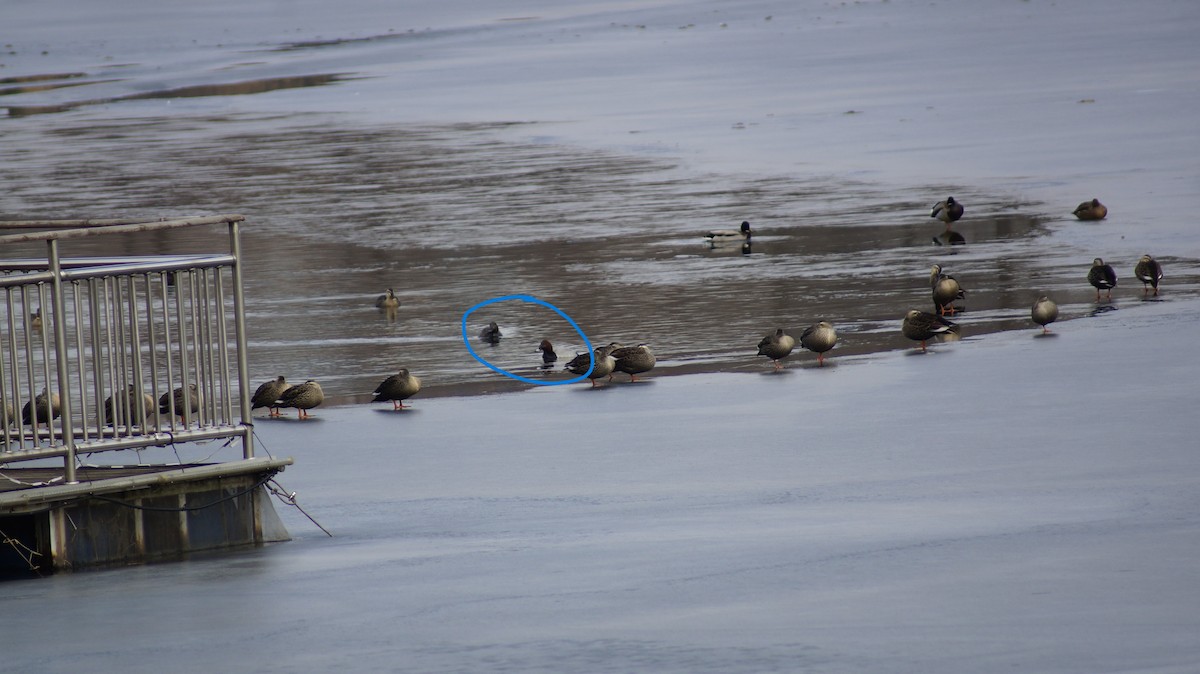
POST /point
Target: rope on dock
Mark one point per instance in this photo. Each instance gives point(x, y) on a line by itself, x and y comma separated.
point(290, 499)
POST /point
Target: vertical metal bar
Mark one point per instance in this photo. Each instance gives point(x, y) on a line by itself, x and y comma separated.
point(223, 341)
point(137, 411)
point(197, 354)
point(239, 322)
point(94, 321)
point(154, 344)
point(60, 341)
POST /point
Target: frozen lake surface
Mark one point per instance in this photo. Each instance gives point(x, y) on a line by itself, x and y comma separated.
point(1008, 502)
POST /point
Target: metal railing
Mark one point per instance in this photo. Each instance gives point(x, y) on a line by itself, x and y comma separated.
point(101, 354)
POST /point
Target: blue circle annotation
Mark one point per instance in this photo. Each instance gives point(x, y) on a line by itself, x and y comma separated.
point(531, 300)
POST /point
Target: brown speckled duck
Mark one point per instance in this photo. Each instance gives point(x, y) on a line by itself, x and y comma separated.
point(1149, 272)
point(1091, 210)
point(267, 394)
point(819, 338)
point(776, 346)
point(303, 397)
point(1044, 312)
point(1102, 277)
point(189, 402)
point(946, 290)
point(604, 364)
point(45, 405)
point(388, 301)
point(633, 360)
point(117, 407)
point(921, 326)
point(397, 388)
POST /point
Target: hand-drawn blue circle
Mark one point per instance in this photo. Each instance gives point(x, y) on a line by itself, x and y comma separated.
point(532, 300)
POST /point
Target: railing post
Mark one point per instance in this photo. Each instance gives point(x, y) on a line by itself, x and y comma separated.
point(239, 323)
point(60, 358)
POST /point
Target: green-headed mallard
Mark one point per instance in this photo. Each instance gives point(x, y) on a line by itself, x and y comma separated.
point(1102, 277)
point(388, 301)
point(634, 360)
point(947, 211)
point(303, 397)
point(185, 402)
point(1149, 272)
point(118, 410)
point(776, 346)
point(921, 326)
point(1044, 312)
point(603, 367)
point(1091, 210)
point(819, 338)
point(549, 358)
point(946, 290)
point(491, 334)
point(45, 405)
point(267, 394)
point(729, 236)
point(397, 388)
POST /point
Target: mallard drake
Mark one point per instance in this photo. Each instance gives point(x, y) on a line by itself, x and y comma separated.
point(819, 338)
point(267, 394)
point(633, 360)
point(1102, 277)
point(920, 326)
point(776, 346)
point(1149, 272)
point(946, 290)
point(303, 397)
point(188, 402)
point(117, 406)
point(35, 319)
point(1091, 210)
point(491, 334)
point(1044, 312)
point(549, 358)
point(603, 368)
point(719, 236)
point(947, 211)
point(388, 300)
point(397, 388)
point(45, 405)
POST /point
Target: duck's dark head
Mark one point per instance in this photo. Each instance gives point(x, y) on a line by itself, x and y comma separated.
point(746, 227)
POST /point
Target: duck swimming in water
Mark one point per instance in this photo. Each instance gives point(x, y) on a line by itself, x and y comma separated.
point(549, 358)
point(729, 236)
point(491, 334)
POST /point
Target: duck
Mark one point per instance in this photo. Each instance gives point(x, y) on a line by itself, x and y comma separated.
point(949, 237)
point(35, 319)
point(117, 407)
point(267, 393)
point(604, 366)
point(1102, 277)
point(921, 326)
point(45, 406)
point(721, 236)
point(303, 397)
point(388, 301)
point(491, 334)
point(1091, 210)
point(946, 290)
point(549, 358)
point(1149, 272)
point(633, 360)
point(183, 403)
point(397, 388)
point(1044, 312)
point(947, 211)
point(776, 346)
point(819, 338)
point(8, 413)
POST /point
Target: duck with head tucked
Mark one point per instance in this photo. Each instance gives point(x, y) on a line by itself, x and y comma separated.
point(633, 360)
point(1149, 272)
point(397, 388)
point(776, 346)
point(126, 407)
point(1102, 277)
point(921, 326)
point(303, 397)
point(185, 402)
point(819, 338)
point(1091, 210)
point(267, 394)
point(946, 290)
point(44, 407)
point(738, 236)
point(604, 364)
point(1044, 312)
point(491, 333)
